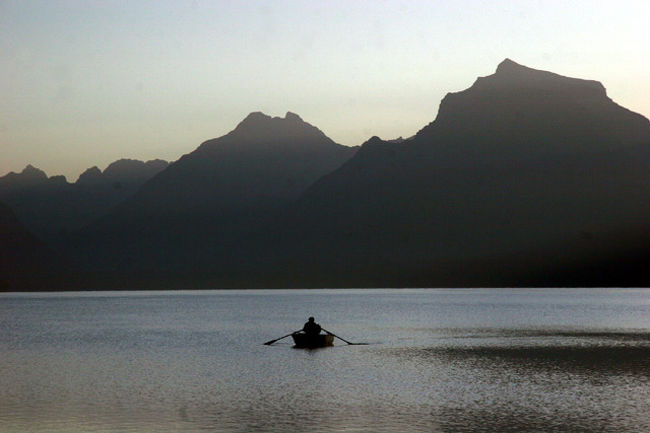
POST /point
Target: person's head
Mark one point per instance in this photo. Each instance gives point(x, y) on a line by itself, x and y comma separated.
point(311, 319)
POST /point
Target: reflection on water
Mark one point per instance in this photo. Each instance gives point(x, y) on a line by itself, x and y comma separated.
point(505, 388)
point(440, 361)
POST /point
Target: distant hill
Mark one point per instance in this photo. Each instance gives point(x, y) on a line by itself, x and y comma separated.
point(187, 219)
point(26, 263)
point(525, 178)
point(123, 173)
point(51, 207)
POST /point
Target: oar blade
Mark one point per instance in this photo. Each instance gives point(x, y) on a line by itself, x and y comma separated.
point(268, 343)
point(342, 339)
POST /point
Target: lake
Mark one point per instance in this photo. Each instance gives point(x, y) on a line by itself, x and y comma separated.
point(462, 360)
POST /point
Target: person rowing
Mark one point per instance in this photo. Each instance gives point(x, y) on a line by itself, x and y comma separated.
point(311, 327)
point(310, 336)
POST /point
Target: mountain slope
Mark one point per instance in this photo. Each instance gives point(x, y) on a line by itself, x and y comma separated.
point(525, 178)
point(186, 219)
point(50, 207)
point(26, 263)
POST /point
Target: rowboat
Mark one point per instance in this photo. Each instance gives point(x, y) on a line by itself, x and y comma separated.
point(312, 341)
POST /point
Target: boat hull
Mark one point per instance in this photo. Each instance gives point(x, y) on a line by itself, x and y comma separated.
point(306, 341)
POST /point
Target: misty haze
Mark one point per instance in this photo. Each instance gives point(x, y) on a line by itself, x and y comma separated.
point(526, 178)
point(364, 261)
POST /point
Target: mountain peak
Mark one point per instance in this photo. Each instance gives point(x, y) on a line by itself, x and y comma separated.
point(253, 121)
point(259, 127)
point(132, 169)
point(123, 167)
point(90, 175)
point(256, 116)
point(259, 119)
point(513, 92)
point(512, 74)
point(30, 176)
point(373, 141)
point(293, 117)
point(31, 172)
point(508, 66)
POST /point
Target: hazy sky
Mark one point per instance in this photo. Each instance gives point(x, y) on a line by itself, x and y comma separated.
point(84, 83)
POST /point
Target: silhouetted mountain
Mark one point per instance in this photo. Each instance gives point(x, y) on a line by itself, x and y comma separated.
point(190, 215)
point(526, 178)
point(51, 206)
point(28, 177)
point(130, 172)
point(25, 263)
point(92, 176)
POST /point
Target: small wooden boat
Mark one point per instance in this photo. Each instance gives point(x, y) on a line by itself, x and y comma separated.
point(312, 341)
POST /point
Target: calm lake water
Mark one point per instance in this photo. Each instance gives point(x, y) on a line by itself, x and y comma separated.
point(480, 360)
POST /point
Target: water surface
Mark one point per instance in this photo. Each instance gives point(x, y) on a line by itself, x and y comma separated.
point(480, 360)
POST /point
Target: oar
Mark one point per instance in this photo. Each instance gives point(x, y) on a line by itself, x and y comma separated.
point(268, 343)
point(342, 339)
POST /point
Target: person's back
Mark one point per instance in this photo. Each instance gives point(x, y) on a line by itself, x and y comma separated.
point(311, 327)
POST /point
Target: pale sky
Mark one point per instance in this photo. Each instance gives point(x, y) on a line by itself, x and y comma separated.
point(84, 83)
